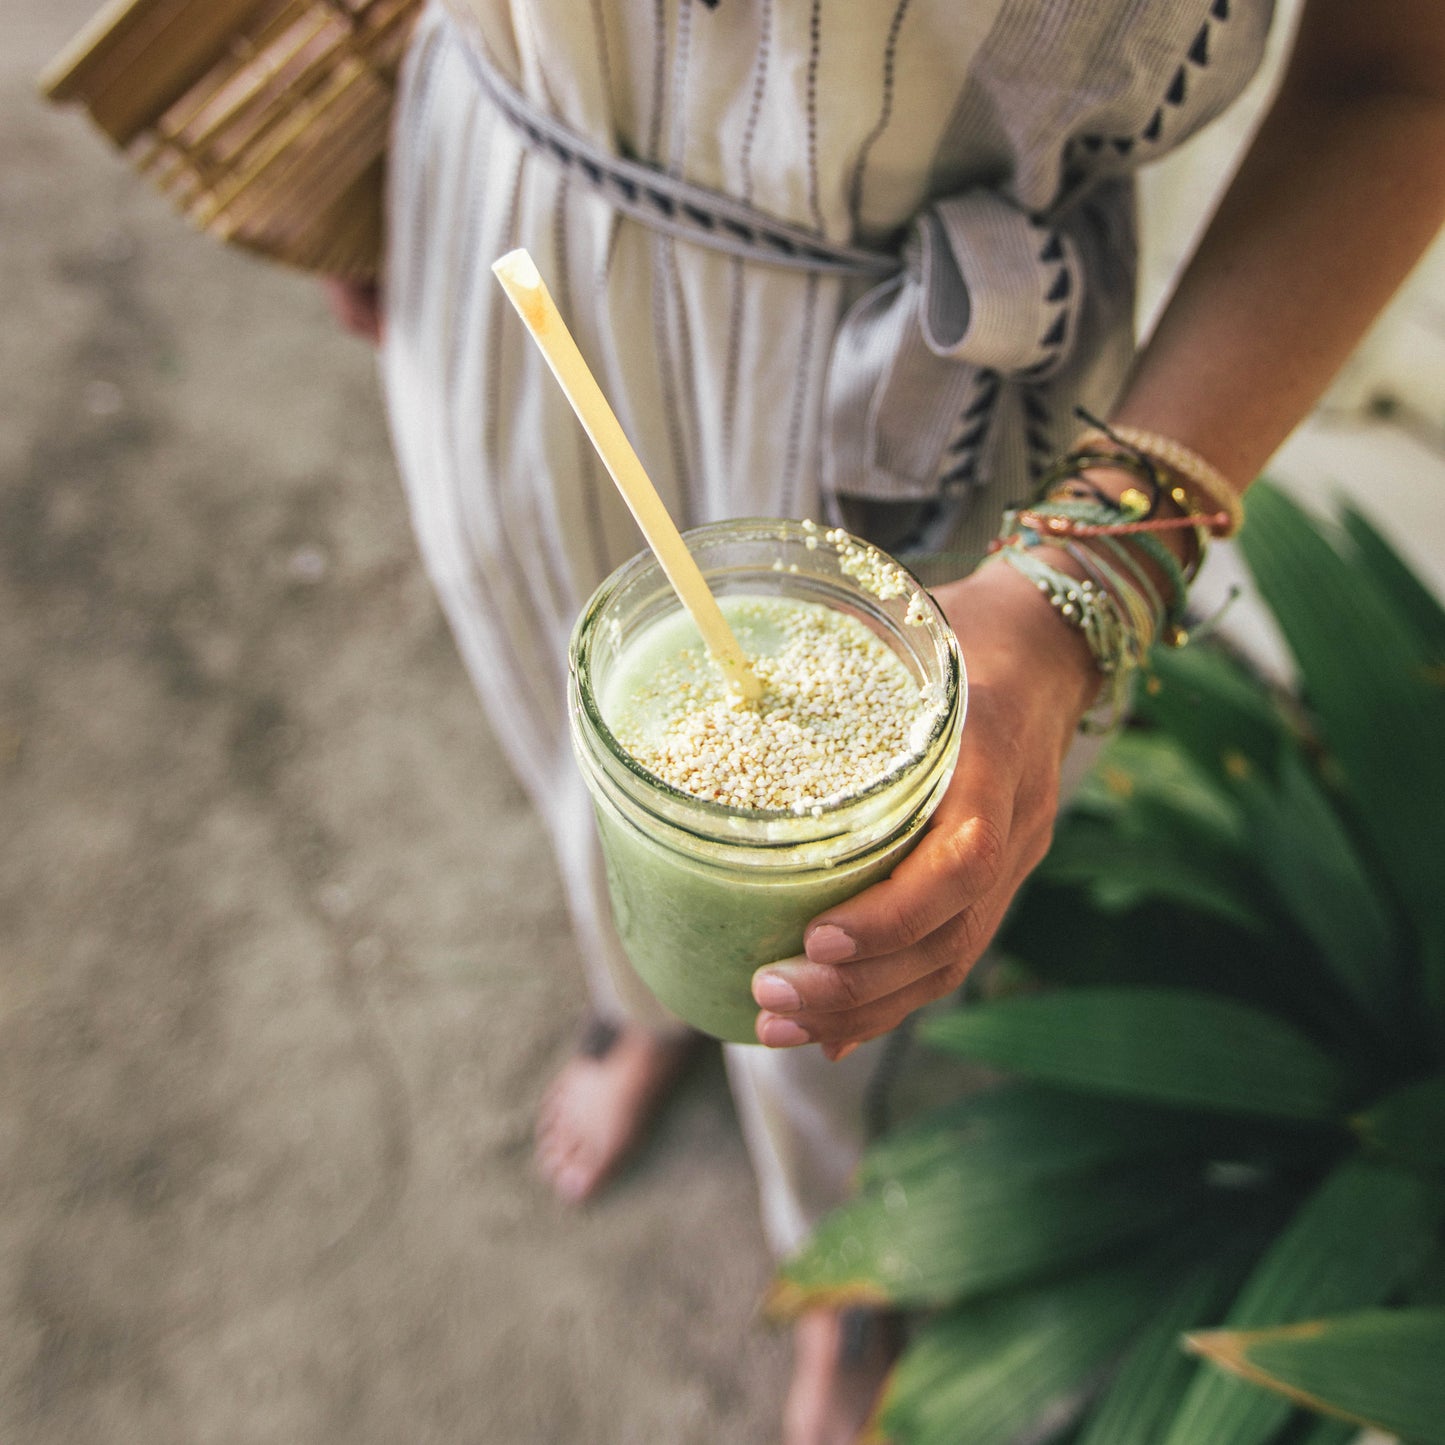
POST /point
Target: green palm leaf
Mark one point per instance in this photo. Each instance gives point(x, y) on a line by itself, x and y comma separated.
point(1148, 824)
point(1208, 705)
point(1303, 851)
point(1324, 1430)
point(1055, 935)
point(1408, 1126)
point(1163, 1046)
point(950, 1232)
point(1151, 1381)
point(1362, 1232)
point(1024, 1129)
point(1427, 1285)
point(1407, 593)
point(1264, 851)
point(1377, 1367)
point(1121, 872)
point(986, 1373)
point(1367, 680)
point(1142, 774)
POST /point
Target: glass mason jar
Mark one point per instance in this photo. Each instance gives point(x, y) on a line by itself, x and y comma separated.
point(703, 893)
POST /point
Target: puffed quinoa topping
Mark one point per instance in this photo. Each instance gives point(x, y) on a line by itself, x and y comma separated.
point(839, 710)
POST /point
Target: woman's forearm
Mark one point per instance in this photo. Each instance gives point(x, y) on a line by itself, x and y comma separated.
point(1337, 198)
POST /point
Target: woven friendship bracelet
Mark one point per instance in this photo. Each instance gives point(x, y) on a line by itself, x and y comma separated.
point(1137, 508)
point(1109, 524)
point(1133, 590)
point(1065, 478)
point(1090, 609)
point(1199, 488)
point(1084, 605)
point(1139, 615)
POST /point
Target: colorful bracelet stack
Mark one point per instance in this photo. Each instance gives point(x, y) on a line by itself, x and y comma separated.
point(1200, 490)
point(1133, 589)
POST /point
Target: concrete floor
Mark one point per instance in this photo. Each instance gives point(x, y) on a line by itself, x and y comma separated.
point(278, 987)
point(278, 934)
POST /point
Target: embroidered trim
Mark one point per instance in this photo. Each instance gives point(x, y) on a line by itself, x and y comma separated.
point(669, 203)
point(1197, 57)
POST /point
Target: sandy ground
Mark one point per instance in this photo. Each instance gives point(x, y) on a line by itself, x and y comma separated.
point(279, 938)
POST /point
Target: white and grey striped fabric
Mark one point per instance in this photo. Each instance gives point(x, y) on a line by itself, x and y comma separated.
point(986, 143)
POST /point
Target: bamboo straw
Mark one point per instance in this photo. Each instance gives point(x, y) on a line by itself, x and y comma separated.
point(528, 293)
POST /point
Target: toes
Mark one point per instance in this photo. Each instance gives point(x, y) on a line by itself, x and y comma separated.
point(592, 1114)
point(575, 1182)
point(569, 1165)
point(572, 1177)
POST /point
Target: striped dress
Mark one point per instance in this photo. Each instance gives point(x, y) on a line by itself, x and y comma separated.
point(973, 158)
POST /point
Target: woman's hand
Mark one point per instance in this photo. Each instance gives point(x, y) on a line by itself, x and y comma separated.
point(356, 305)
point(914, 937)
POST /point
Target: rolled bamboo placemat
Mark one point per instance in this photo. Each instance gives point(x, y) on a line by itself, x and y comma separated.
point(266, 122)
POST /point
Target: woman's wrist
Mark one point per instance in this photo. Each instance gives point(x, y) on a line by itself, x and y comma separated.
point(1120, 486)
point(1005, 626)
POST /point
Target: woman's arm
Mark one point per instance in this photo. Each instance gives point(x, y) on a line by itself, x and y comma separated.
point(1338, 196)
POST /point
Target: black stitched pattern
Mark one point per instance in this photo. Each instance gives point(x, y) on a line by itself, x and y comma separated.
point(1175, 93)
point(659, 202)
point(815, 54)
point(885, 114)
point(962, 453)
point(745, 165)
point(668, 203)
point(681, 61)
point(1060, 289)
point(793, 454)
point(659, 80)
point(1038, 439)
point(755, 101)
point(586, 470)
point(667, 369)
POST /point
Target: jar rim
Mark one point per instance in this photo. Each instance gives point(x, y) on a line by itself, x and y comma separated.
point(761, 529)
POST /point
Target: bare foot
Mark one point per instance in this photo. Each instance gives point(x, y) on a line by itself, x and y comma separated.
point(595, 1110)
point(840, 1360)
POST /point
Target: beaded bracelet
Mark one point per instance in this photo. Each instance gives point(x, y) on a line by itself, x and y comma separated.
point(1139, 578)
point(1118, 606)
point(1092, 611)
point(1084, 605)
point(1143, 611)
point(1105, 522)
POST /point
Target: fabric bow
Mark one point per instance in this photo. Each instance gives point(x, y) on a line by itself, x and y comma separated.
point(986, 295)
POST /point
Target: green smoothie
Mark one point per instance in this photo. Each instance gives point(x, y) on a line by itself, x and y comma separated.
point(725, 826)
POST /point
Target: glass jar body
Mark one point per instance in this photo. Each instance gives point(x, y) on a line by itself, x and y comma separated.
point(704, 894)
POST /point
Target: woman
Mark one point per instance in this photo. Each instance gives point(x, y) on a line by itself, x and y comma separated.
point(858, 261)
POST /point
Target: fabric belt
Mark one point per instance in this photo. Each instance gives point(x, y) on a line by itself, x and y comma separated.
point(669, 203)
point(980, 295)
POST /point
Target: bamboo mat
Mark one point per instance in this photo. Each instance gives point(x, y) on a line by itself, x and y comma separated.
point(265, 121)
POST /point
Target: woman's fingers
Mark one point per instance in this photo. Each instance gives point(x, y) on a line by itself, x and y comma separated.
point(971, 844)
point(913, 937)
point(852, 1002)
point(356, 305)
point(795, 986)
point(910, 939)
point(925, 972)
